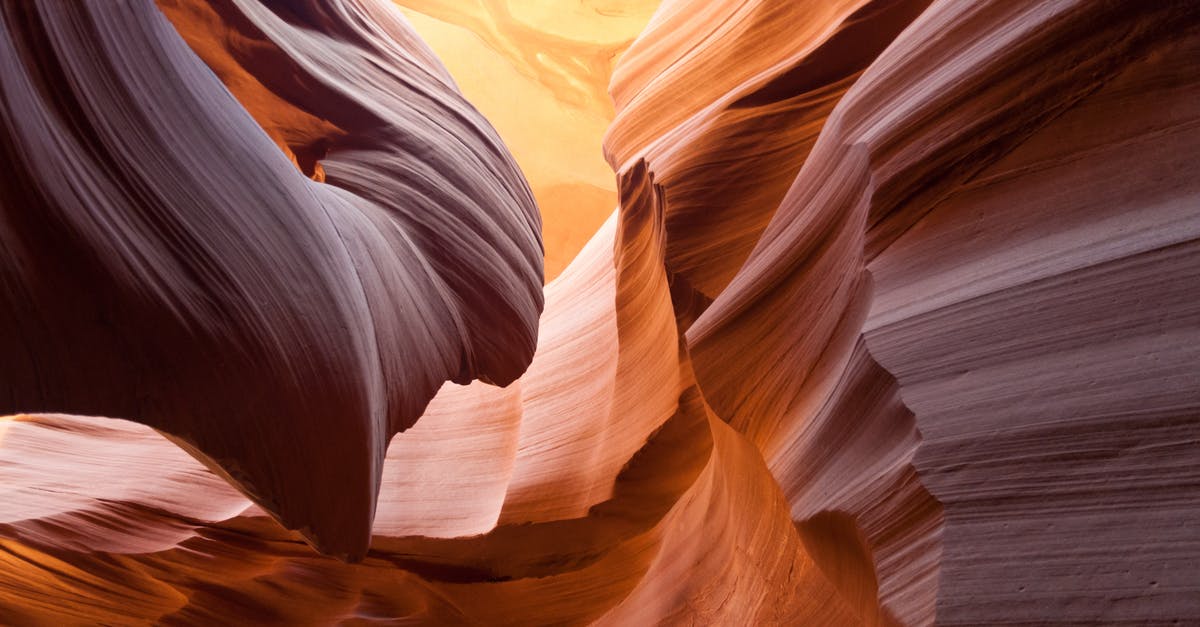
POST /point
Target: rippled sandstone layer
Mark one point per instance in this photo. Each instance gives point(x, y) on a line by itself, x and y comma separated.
point(895, 323)
point(539, 71)
point(165, 263)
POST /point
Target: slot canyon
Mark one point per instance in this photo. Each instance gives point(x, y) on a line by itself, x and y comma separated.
point(615, 312)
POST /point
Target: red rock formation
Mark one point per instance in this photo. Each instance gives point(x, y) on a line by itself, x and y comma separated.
point(894, 324)
point(278, 328)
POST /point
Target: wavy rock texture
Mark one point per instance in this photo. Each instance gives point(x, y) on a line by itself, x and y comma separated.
point(280, 328)
point(539, 71)
point(621, 549)
point(967, 88)
point(894, 324)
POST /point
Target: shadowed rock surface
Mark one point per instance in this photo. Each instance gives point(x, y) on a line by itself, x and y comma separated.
point(895, 323)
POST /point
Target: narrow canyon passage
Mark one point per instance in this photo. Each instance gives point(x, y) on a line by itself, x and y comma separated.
point(620, 312)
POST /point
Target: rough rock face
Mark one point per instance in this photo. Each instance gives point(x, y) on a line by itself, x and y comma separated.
point(896, 323)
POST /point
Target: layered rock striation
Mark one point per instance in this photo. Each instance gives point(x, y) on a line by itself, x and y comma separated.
point(895, 323)
point(165, 263)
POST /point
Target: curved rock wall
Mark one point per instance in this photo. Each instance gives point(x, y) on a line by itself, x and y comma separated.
point(894, 323)
point(164, 263)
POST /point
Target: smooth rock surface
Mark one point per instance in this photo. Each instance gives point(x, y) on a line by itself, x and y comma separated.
point(895, 323)
point(164, 262)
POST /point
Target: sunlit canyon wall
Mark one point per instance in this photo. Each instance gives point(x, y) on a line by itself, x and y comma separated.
point(895, 321)
point(538, 70)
